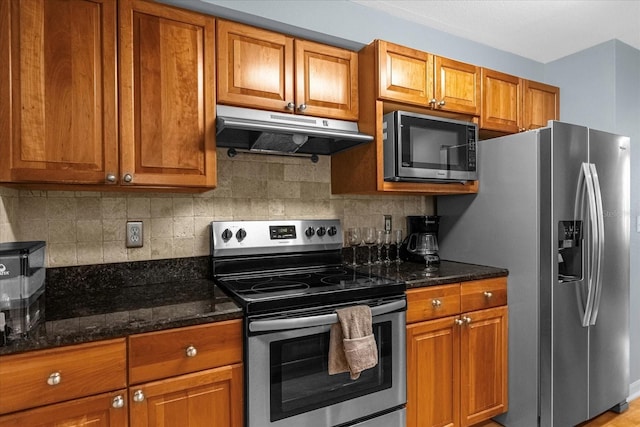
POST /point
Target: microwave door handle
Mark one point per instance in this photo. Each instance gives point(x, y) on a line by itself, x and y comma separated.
point(322, 320)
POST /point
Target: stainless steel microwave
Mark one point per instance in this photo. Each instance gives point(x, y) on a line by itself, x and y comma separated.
point(418, 147)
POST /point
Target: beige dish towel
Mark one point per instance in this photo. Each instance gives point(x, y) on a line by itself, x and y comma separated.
point(352, 346)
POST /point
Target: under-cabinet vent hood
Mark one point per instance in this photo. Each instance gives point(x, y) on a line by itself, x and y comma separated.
point(282, 133)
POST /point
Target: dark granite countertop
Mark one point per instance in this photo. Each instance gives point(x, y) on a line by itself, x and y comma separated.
point(90, 303)
point(415, 276)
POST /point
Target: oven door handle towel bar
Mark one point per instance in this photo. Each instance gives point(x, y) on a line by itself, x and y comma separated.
point(352, 346)
point(325, 319)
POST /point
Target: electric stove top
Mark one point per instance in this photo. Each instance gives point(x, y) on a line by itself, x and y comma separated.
point(269, 266)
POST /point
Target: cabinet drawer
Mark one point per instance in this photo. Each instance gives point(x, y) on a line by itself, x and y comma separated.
point(163, 354)
point(480, 294)
point(432, 302)
point(42, 377)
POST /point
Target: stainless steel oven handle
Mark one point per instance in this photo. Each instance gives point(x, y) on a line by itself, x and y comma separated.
point(325, 319)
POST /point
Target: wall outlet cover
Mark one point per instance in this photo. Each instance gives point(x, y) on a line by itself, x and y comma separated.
point(135, 236)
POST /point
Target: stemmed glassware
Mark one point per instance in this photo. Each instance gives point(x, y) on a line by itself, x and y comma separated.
point(398, 236)
point(379, 243)
point(369, 238)
point(387, 245)
point(354, 238)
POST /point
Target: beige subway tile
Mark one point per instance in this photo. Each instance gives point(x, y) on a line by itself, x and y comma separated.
point(89, 208)
point(139, 254)
point(138, 208)
point(9, 192)
point(7, 233)
point(202, 207)
point(276, 172)
point(249, 188)
point(161, 207)
point(183, 247)
point(161, 248)
point(114, 251)
point(114, 230)
point(283, 190)
point(260, 209)
point(89, 231)
point(276, 208)
point(183, 227)
point(89, 253)
point(88, 194)
point(33, 230)
point(223, 209)
point(61, 254)
point(62, 231)
point(183, 206)
point(4, 209)
point(32, 207)
point(32, 193)
point(114, 207)
point(161, 227)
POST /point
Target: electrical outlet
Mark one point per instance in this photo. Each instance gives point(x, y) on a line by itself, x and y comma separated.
point(387, 224)
point(134, 234)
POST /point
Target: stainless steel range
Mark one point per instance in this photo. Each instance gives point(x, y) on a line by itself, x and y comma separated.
point(289, 278)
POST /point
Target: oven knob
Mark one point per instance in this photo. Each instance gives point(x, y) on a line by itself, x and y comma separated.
point(227, 234)
point(241, 234)
point(332, 231)
point(321, 231)
point(309, 232)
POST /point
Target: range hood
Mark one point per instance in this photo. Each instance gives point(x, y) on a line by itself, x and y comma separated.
point(281, 133)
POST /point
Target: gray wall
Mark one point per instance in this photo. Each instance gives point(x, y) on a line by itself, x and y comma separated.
point(600, 87)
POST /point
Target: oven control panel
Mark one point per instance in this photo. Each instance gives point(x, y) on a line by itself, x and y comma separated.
point(230, 238)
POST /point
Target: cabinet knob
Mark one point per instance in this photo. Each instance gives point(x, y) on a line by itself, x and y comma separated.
point(302, 107)
point(118, 402)
point(433, 101)
point(54, 379)
point(436, 303)
point(291, 106)
point(466, 319)
point(459, 322)
point(488, 294)
point(110, 178)
point(441, 103)
point(138, 396)
point(127, 177)
point(191, 351)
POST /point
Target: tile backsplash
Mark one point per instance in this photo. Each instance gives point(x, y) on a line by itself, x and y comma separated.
point(83, 228)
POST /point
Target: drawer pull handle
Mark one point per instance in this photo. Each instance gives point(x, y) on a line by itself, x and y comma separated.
point(138, 396)
point(436, 303)
point(191, 351)
point(466, 319)
point(118, 402)
point(459, 322)
point(488, 295)
point(54, 379)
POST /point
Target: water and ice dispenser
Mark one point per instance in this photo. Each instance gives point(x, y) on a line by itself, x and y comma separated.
point(22, 279)
point(569, 250)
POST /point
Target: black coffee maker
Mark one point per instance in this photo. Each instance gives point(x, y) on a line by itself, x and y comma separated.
point(416, 225)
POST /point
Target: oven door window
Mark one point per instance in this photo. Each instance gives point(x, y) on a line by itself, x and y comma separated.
point(299, 374)
point(428, 144)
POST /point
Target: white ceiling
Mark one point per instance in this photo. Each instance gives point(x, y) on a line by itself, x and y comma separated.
point(541, 30)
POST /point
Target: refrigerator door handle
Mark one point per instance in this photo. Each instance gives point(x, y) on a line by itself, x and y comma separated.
point(600, 242)
point(578, 214)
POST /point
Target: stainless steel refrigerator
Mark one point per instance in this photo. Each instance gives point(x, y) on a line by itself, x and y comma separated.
point(553, 208)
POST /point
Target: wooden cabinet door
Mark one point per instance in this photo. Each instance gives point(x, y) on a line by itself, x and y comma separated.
point(211, 398)
point(457, 86)
point(326, 81)
point(433, 373)
point(541, 103)
point(500, 102)
point(167, 105)
point(255, 67)
point(58, 120)
point(104, 410)
point(483, 365)
point(404, 74)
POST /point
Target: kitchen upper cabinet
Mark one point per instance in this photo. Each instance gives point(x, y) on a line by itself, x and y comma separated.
point(541, 103)
point(105, 410)
point(58, 95)
point(415, 77)
point(271, 71)
point(167, 96)
point(456, 359)
point(501, 102)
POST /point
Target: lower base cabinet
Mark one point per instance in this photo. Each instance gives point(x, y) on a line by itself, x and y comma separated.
point(456, 365)
point(104, 410)
point(203, 399)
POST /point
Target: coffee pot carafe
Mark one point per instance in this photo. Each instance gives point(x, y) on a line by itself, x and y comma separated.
point(416, 245)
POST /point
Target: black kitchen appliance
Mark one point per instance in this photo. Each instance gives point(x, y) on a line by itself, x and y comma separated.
point(289, 278)
point(416, 225)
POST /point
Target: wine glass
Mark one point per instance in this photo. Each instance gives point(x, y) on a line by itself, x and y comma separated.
point(379, 243)
point(398, 236)
point(387, 245)
point(369, 238)
point(354, 239)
